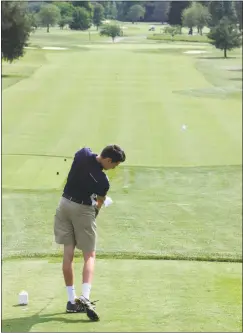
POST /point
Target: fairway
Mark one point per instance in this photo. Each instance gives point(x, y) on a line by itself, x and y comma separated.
point(177, 198)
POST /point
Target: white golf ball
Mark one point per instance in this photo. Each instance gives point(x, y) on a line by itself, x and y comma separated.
point(184, 127)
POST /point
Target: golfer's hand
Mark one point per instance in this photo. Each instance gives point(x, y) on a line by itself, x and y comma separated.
point(99, 203)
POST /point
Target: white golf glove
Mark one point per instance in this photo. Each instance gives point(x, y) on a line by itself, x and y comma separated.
point(108, 201)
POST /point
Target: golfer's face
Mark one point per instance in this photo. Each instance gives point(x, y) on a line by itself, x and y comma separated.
point(114, 165)
point(110, 165)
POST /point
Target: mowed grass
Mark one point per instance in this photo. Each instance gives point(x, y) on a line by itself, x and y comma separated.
point(178, 195)
point(134, 296)
point(189, 213)
point(65, 97)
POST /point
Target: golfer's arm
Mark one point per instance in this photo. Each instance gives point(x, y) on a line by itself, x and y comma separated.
point(100, 201)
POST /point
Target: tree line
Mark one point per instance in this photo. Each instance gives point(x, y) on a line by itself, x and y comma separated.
point(224, 18)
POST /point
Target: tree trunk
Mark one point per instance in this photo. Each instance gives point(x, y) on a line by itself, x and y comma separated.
point(198, 30)
point(47, 28)
point(113, 39)
point(97, 27)
point(225, 53)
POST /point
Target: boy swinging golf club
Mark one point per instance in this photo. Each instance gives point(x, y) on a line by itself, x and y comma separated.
point(75, 219)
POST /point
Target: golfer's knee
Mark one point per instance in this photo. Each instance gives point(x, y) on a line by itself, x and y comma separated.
point(89, 255)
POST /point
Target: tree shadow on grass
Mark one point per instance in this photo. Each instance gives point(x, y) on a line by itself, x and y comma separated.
point(235, 70)
point(236, 79)
point(158, 51)
point(14, 76)
point(25, 324)
point(216, 58)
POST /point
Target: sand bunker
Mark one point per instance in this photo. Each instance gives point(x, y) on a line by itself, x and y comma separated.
point(53, 48)
point(233, 68)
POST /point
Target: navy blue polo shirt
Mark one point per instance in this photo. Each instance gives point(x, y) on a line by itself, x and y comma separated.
point(86, 178)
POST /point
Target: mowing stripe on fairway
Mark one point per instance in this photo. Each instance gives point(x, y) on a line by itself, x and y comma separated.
point(126, 97)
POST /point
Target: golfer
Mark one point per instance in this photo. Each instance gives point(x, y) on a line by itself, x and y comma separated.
point(74, 224)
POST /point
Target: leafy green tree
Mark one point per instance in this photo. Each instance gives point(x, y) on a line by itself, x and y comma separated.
point(65, 20)
point(107, 6)
point(113, 11)
point(136, 12)
point(239, 9)
point(32, 19)
point(98, 15)
point(34, 6)
point(66, 11)
point(176, 9)
point(172, 30)
point(149, 11)
point(83, 4)
point(225, 36)
point(202, 16)
point(161, 11)
point(66, 8)
point(220, 9)
point(196, 15)
point(189, 17)
point(49, 15)
point(111, 30)
point(123, 8)
point(16, 28)
point(81, 19)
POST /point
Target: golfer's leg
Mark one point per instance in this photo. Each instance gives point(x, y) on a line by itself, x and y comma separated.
point(67, 265)
point(88, 273)
point(85, 235)
point(88, 269)
point(64, 234)
point(67, 268)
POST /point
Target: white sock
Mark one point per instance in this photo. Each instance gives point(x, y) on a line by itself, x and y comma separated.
point(71, 293)
point(86, 288)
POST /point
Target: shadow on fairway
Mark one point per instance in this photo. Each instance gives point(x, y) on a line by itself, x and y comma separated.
point(217, 58)
point(236, 79)
point(235, 69)
point(13, 76)
point(24, 324)
point(159, 51)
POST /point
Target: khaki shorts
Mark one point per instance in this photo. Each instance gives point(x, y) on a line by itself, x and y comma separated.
point(74, 224)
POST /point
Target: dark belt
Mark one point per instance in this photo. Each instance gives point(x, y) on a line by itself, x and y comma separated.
point(79, 201)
